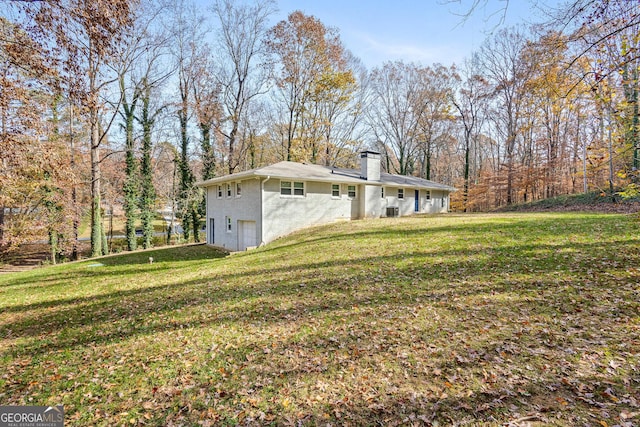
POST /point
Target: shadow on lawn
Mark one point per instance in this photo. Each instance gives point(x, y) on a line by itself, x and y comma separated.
point(320, 287)
point(544, 289)
point(129, 263)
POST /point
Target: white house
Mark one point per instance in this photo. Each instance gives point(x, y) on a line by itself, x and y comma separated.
point(255, 207)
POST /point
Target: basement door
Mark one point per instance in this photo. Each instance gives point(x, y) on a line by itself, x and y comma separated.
point(416, 204)
point(247, 235)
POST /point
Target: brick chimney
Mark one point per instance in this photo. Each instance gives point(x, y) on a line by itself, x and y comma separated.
point(370, 165)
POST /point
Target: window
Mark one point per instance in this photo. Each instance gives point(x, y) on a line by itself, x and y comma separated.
point(335, 190)
point(382, 192)
point(228, 221)
point(285, 188)
point(289, 188)
point(442, 202)
point(238, 190)
point(228, 190)
point(428, 194)
point(400, 193)
point(219, 191)
point(351, 191)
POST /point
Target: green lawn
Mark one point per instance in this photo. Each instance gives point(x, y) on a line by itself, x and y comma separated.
point(428, 320)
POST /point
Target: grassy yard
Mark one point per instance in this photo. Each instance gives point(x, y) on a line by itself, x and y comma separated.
point(457, 319)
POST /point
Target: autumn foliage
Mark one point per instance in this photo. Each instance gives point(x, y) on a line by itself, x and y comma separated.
point(95, 93)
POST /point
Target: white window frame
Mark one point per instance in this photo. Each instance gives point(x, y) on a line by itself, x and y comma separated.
point(238, 189)
point(352, 194)
point(219, 191)
point(229, 191)
point(228, 223)
point(401, 193)
point(334, 188)
point(286, 190)
point(382, 192)
point(427, 195)
point(294, 189)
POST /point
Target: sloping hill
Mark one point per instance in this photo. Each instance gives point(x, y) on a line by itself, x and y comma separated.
point(450, 319)
point(588, 202)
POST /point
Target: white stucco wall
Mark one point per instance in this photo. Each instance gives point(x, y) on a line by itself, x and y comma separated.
point(277, 215)
point(284, 214)
point(440, 201)
point(245, 207)
point(407, 205)
point(370, 201)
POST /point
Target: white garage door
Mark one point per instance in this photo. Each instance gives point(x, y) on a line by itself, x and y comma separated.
point(246, 235)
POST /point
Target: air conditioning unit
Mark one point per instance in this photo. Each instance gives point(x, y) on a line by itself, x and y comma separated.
point(393, 211)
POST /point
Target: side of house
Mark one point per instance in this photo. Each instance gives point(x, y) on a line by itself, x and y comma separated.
point(292, 204)
point(410, 200)
point(255, 207)
point(234, 220)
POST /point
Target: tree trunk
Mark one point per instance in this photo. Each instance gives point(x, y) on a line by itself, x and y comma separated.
point(510, 147)
point(130, 187)
point(232, 145)
point(148, 196)
point(465, 194)
point(2, 208)
point(185, 173)
point(96, 214)
point(195, 219)
point(53, 245)
point(427, 168)
point(74, 191)
point(103, 241)
point(208, 154)
point(94, 142)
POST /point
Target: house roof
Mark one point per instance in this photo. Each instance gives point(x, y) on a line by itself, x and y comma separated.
point(308, 172)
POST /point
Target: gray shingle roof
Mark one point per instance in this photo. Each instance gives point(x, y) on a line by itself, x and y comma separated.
point(307, 172)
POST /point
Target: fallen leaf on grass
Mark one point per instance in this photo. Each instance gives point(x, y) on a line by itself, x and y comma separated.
point(628, 415)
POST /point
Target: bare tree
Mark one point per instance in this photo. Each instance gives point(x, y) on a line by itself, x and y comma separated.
point(241, 38)
point(507, 71)
point(208, 111)
point(436, 120)
point(342, 124)
point(470, 101)
point(187, 27)
point(138, 51)
point(395, 112)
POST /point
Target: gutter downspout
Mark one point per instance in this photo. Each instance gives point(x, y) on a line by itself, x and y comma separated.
point(262, 210)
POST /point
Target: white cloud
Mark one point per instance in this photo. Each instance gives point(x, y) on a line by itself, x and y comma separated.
point(373, 51)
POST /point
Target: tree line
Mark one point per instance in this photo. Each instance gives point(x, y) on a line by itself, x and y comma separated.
point(115, 105)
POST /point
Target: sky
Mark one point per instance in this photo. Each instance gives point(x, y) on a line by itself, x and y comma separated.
point(420, 31)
